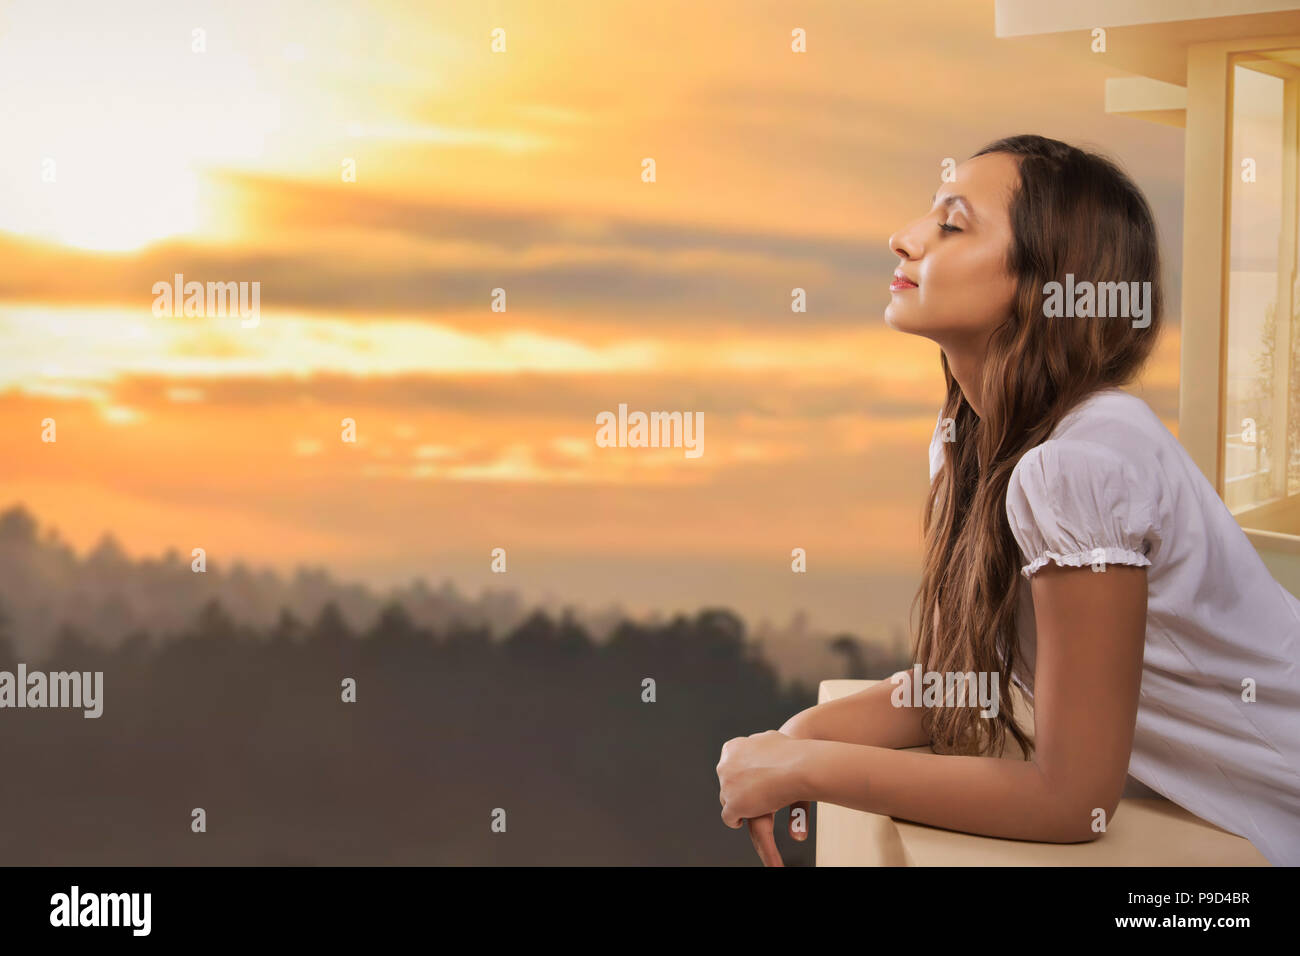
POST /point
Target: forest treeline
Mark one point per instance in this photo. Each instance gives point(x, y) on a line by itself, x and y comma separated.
point(106, 596)
point(449, 726)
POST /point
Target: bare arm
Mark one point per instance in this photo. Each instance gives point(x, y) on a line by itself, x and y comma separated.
point(1091, 632)
point(867, 717)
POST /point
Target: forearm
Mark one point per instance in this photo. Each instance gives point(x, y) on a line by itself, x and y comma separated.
point(866, 717)
point(985, 795)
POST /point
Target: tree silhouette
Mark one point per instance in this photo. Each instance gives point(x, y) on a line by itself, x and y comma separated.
point(18, 526)
point(8, 653)
point(330, 628)
point(214, 624)
point(447, 725)
point(846, 645)
point(288, 629)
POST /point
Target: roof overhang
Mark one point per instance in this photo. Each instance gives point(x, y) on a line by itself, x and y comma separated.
point(1146, 37)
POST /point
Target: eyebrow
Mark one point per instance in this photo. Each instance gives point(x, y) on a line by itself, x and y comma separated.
point(954, 198)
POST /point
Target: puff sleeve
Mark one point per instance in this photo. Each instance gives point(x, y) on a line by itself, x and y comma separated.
point(1079, 503)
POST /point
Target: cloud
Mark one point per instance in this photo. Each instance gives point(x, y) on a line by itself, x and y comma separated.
point(435, 258)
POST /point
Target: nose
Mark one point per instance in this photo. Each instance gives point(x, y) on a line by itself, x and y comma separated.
point(902, 244)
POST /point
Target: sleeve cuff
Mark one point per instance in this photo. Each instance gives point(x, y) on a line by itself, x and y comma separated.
point(1080, 559)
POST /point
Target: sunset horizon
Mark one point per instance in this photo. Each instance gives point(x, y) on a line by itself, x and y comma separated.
point(471, 280)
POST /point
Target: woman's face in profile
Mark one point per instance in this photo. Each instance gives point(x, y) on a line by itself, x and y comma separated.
point(956, 254)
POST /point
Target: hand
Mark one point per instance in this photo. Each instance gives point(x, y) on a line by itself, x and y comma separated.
point(757, 776)
point(761, 832)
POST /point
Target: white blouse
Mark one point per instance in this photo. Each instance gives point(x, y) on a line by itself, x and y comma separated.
point(1113, 483)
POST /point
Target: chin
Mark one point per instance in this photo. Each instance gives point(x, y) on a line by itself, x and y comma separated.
point(901, 323)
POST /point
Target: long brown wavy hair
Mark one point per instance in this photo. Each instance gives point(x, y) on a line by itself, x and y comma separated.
point(1072, 212)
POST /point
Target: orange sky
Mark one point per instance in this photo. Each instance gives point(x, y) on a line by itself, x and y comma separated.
point(518, 170)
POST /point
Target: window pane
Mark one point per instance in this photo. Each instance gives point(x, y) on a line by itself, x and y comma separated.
point(1261, 417)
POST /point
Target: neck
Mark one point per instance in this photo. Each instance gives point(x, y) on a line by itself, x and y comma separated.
point(967, 367)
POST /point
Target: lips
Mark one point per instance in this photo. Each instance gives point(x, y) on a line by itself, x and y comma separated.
point(901, 281)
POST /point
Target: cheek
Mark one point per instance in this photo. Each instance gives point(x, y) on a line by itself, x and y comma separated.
point(975, 289)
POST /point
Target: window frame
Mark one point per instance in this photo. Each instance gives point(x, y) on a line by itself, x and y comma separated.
point(1284, 504)
point(1208, 164)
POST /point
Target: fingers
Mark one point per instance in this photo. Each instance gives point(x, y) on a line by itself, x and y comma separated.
point(800, 819)
point(761, 833)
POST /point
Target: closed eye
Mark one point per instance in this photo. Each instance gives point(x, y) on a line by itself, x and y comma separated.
point(947, 228)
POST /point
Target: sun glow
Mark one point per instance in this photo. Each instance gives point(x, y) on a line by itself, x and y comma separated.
point(115, 156)
point(117, 209)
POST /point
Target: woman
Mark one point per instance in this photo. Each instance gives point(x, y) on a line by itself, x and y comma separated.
point(1155, 645)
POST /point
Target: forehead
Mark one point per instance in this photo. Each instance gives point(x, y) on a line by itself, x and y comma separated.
point(987, 182)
